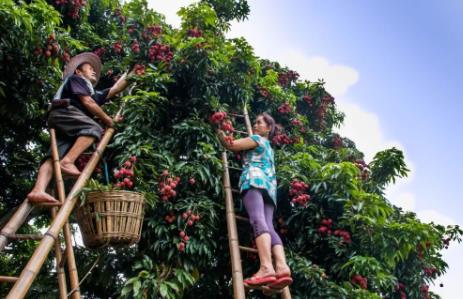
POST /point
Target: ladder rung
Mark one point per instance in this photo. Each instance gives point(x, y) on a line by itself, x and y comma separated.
point(25, 236)
point(241, 218)
point(235, 190)
point(48, 204)
point(234, 168)
point(10, 279)
point(248, 249)
point(241, 132)
point(236, 114)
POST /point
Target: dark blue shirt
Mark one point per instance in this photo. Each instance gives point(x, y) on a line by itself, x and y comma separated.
point(77, 86)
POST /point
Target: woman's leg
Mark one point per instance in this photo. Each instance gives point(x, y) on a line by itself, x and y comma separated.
point(254, 204)
point(278, 252)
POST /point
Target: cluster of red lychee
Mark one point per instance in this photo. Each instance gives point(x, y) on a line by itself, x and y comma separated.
point(73, 6)
point(125, 174)
point(325, 227)
point(119, 16)
point(424, 290)
point(401, 288)
point(135, 46)
point(429, 271)
point(227, 126)
point(139, 69)
point(218, 117)
point(285, 78)
point(151, 32)
point(308, 99)
point(160, 52)
point(167, 186)
point(284, 108)
point(194, 32)
point(117, 47)
point(345, 235)
point(296, 122)
point(337, 141)
point(323, 108)
point(263, 91)
point(190, 219)
point(51, 49)
point(359, 280)
point(281, 139)
point(298, 190)
point(364, 169)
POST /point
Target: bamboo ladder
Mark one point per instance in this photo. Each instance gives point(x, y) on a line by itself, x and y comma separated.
point(60, 222)
point(233, 241)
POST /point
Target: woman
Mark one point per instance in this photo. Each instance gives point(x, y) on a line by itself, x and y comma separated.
point(258, 189)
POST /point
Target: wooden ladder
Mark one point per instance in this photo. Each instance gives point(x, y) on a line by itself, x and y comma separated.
point(233, 241)
point(60, 215)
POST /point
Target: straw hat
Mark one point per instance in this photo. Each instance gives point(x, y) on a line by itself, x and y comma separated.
point(86, 57)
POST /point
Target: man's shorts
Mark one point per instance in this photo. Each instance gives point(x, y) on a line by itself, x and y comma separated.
point(70, 123)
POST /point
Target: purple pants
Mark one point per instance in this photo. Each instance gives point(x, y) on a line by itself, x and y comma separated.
point(260, 215)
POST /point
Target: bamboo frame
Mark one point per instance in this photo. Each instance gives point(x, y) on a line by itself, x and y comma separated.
point(32, 268)
point(237, 271)
point(15, 223)
point(72, 268)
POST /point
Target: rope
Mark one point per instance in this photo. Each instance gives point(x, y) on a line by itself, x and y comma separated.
point(85, 276)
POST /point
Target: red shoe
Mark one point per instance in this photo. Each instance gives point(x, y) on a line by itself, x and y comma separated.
point(258, 281)
point(281, 282)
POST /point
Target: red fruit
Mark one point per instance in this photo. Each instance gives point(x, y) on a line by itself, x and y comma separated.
point(184, 215)
point(164, 198)
point(167, 189)
point(189, 212)
point(181, 246)
point(48, 53)
point(173, 185)
point(130, 184)
point(129, 173)
point(127, 164)
point(323, 230)
point(182, 234)
point(177, 179)
point(118, 174)
point(192, 181)
point(133, 159)
point(190, 223)
point(173, 193)
point(186, 238)
point(127, 181)
point(165, 173)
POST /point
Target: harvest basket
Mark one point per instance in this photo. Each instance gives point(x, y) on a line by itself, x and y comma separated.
point(111, 218)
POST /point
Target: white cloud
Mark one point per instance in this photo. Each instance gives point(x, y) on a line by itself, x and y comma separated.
point(169, 9)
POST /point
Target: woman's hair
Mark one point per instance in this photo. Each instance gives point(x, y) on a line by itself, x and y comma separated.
point(270, 122)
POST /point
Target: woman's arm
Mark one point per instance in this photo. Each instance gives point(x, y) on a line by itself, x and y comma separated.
point(242, 144)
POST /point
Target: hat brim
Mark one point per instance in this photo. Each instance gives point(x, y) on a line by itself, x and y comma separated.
point(86, 57)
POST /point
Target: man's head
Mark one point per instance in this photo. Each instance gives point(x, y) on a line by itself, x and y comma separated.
point(87, 65)
point(87, 71)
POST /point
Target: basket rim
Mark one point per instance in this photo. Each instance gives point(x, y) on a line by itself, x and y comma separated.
point(116, 191)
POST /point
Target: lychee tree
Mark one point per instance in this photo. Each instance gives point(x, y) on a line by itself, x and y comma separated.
point(343, 238)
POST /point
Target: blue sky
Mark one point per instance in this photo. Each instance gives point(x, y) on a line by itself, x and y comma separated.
point(395, 70)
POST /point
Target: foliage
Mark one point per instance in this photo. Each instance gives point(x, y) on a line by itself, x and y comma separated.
point(345, 241)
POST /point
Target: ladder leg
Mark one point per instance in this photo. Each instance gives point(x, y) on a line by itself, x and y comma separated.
point(59, 265)
point(237, 271)
point(71, 262)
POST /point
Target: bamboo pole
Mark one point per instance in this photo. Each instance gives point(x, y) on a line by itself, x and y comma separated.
point(59, 266)
point(72, 268)
point(237, 271)
point(15, 222)
point(247, 121)
point(29, 273)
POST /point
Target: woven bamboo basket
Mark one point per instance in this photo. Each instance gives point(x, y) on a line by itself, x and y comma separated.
point(111, 218)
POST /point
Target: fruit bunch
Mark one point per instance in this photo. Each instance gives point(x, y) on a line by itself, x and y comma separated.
point(285, 78)
point(364, 170)
point(284, 108)
point(298, 190)
point(190, 219)
point(359, 280)
point(151, 32)
point(125, 174)
point(139, 69)
point(345, 235)
point(325, 227)
point(281, 139)
point(337, 141)
point(160, 52)
point(308, 99)
point(170, 218)
point(117, 47)
point(296, 122)
point(73, 7)
point(51, 49)
point(218, 117)
point(167, 186)
point(194, 32)
point(401, 288)
point(227, 126)
point(263, 92)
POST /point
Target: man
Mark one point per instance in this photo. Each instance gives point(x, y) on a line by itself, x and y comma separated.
point(73, 109)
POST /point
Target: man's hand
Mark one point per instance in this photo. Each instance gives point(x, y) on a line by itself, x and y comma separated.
point(119, 118)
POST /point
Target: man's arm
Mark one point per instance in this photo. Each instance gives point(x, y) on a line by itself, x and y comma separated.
point(118, 87)
point(96, 110)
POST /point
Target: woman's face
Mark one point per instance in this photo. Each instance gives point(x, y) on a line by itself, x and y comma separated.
point(260, 127)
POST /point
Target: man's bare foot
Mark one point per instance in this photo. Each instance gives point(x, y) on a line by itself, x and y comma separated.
point(38, 197)
point(69, 169)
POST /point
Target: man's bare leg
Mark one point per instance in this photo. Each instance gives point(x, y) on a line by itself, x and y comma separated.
point(67, 163)
point(38, 194)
